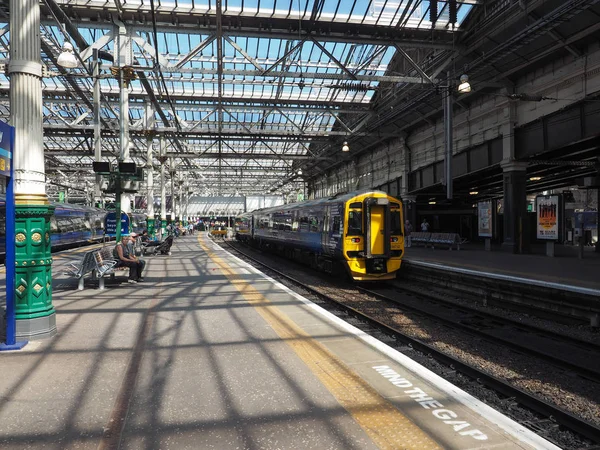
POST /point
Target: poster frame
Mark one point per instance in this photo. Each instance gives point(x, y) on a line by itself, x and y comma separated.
point(559, 217)
point(492, 218)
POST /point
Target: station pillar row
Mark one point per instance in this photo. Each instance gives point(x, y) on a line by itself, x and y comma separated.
point(516, 227)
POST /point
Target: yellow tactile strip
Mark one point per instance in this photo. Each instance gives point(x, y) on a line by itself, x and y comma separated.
point(385, 425)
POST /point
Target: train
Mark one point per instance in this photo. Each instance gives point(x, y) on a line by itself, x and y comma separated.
point(73, 225)
point(363, 232)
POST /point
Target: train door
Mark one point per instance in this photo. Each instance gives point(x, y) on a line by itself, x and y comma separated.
point(377, 229)
point(325, 232)
point(377, 224)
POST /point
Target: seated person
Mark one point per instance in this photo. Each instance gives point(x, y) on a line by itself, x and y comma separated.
point(131, 244)
point(125, 259)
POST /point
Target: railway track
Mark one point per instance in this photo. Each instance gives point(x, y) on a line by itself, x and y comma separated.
point(577, 356)
point(554, 414)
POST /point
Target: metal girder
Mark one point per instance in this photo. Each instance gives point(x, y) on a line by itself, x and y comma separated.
point(296, 74)
point(85, 13)
point(549, 162)
point(199, 132)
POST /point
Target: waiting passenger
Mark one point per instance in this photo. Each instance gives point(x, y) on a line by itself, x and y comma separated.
point(131, 247)
point(425, 226)
point(125, 259)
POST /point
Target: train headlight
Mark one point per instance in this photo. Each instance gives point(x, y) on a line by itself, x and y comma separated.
point(394, 239)
point(355, 240)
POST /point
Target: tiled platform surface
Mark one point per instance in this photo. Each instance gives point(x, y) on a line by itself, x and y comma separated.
point(209, 354)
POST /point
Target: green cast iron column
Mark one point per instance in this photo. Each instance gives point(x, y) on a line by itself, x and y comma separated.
point(35, 314)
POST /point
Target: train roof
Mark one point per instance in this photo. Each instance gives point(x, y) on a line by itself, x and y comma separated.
point(342, 197)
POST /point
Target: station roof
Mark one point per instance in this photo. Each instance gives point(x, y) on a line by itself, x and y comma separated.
point(248, 92)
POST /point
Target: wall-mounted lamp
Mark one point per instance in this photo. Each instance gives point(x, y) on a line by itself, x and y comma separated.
point(67, 58)
point(345, 147)
point(464, 87)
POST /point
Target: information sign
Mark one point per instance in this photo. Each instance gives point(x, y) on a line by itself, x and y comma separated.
point(485, 218)
point(5, 149)
point(548, 217)
point(110, 224)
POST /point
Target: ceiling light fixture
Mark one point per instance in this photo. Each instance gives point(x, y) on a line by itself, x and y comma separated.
point(535, 178)
point(67, 58)
point(464, 87)
point(473, 193)
point(345, 147)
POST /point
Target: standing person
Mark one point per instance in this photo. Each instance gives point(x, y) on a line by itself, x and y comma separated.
point(407, 232)
point(121, 254)
point(425, 226)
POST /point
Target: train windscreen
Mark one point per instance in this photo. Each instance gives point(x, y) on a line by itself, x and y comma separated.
point(395, 220)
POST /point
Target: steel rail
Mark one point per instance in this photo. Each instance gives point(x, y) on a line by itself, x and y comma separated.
point(540, 406)
point(593, 375)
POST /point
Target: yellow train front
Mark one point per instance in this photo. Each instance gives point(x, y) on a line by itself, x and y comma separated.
point(362, 231)
point(373, 244)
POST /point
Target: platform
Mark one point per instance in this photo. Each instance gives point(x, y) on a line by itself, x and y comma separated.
point(209, 353)
point(564, 269)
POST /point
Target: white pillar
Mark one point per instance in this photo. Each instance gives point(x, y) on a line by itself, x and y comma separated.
point(25, 71)
point(149, 166)
point(97, 126)
point(124, 58)
point(163, 197)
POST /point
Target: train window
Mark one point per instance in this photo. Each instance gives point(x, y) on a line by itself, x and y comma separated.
point(314, 224)
point(354, 223)
point(304, 224)
point(395, 222)
point(337, 220)
point(355, 205)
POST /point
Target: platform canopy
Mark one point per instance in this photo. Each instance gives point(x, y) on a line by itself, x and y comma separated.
point(245, 92)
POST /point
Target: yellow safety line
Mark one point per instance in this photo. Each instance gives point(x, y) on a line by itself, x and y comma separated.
point(383, 422)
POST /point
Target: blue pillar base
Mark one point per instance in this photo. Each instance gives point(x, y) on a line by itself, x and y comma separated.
point(16, 346)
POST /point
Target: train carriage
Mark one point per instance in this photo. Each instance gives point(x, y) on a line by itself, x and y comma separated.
point(73, 225)
point(362, 230)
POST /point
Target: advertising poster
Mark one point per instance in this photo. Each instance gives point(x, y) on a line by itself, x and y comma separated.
point(548, 217)
point(485, 218)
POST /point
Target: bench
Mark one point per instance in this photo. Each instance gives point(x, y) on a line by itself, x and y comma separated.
point(103, 267)
point(93, 262)
point(449, 239)
point(81, 268)
point(433, 239)
point(420, 237)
